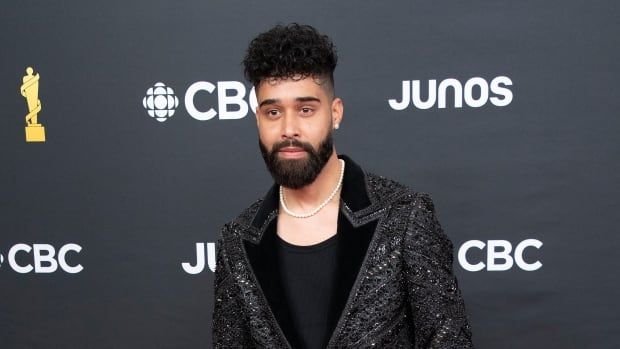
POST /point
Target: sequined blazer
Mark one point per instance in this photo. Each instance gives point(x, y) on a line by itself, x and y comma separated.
point(395, 284)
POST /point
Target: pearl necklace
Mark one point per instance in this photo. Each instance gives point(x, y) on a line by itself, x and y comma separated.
point(321, 205)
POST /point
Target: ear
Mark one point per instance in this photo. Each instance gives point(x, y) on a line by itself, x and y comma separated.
point(337, 110)
point(256, 115)
point(256, 109)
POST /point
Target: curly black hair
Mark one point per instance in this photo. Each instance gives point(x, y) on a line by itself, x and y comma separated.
point(291, 51)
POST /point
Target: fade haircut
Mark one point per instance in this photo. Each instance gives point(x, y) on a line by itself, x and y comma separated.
point(293, 51)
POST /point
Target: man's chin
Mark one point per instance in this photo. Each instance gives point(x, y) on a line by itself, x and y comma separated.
point(287, 164)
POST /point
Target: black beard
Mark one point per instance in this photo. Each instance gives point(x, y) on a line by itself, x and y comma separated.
point(297, 173)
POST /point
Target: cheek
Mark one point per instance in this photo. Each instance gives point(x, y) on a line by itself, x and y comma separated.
point(319, 129)
point(268, 135)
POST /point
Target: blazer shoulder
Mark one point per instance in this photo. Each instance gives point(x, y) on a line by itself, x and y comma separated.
point(383, 188)
point(247, 214)
point(244, 218)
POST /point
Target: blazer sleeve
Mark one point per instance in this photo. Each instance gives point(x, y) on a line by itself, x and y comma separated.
point(439, 315)
point(229, 329)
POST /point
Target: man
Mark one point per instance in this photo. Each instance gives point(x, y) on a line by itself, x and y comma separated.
point(332, 255)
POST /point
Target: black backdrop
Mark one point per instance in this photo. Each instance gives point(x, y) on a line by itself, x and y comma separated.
point(524, 157)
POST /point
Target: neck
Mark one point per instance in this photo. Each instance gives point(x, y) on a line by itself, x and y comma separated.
point(313, 194)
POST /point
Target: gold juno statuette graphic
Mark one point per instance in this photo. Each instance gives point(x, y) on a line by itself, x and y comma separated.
point(35, 132)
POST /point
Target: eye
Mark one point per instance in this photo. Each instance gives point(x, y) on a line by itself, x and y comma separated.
point(273, 112)
point(307, 110)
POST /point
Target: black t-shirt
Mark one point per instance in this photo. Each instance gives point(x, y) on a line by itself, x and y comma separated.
point(308, 279)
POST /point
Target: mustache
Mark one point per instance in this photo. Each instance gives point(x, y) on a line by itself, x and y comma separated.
point(292, 143)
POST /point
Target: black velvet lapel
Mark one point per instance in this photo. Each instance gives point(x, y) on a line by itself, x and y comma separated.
point(353, 245)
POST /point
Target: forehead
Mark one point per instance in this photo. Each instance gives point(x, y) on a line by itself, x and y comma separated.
point(290, 88)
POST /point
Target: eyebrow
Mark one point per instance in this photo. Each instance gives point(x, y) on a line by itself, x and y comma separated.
point(298, 99)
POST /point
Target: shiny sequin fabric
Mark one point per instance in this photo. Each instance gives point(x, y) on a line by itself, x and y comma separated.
point(405, 294)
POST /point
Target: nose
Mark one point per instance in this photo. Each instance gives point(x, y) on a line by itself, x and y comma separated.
point(290, 127)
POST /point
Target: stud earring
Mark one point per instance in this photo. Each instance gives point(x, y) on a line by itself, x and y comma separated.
point(336, 126)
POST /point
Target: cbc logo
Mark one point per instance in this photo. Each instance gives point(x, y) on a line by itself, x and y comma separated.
point(161, 102)
point(44, 259)
point(411, 93)
point(499, 255)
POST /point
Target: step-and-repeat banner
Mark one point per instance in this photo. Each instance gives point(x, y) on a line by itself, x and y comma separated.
point(128, 138)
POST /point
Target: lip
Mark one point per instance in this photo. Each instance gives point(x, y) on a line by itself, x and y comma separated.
point(291, 150)
point(292, 153)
